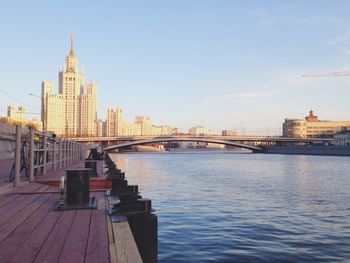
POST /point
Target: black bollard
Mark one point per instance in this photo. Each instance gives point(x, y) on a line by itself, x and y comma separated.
point(93, 166)
point(78, 188)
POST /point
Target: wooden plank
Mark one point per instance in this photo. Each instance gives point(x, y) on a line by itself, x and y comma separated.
point(98, 245)
point(52, 248)
point(112, 253)
point(28, 187)
point(43, 188)
point(6, 188)
point(101, 205)
point(112, 248)
point(75, 246)
point(125, 244)
point(6, 198)
point(31, 246)
point(20, 227)
point(10, 209)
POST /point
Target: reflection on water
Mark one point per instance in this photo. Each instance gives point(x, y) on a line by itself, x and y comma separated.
point(246, 207)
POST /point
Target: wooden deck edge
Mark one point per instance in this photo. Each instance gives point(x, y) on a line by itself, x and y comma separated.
point(122, 245)
point(125, 244)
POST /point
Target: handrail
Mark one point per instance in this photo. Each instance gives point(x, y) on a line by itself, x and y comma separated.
point(46, 152)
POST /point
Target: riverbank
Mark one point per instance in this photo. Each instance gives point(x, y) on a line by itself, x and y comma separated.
point(309, 150)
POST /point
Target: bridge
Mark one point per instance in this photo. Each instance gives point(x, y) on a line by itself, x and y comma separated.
point(246, 142)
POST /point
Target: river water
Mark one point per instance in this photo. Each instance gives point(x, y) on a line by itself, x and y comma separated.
point(236, 207)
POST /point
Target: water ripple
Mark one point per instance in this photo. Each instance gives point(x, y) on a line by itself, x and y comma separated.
point(246, 207)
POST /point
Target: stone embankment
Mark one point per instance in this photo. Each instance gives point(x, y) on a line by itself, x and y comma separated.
point(7, 140)
point(310, 150)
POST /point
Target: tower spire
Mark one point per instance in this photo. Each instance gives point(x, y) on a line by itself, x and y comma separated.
point(71, 44)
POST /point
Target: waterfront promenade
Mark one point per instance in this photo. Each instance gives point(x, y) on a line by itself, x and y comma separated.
point(31, 231)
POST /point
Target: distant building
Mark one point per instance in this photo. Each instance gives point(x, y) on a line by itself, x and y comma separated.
point(199, 131)
point(73, 110)
point(161, 130)
point(176, 131)
point(312, 127)
point(101, 128)
point(52, 109)
point(16, 114)
point(342, 138)
point(229, 133)
point(115, 123)
point(145, 123)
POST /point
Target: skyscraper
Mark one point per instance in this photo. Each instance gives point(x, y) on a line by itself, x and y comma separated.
point(72, 111)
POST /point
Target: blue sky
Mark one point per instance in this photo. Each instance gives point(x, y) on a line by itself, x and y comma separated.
point(221, 64)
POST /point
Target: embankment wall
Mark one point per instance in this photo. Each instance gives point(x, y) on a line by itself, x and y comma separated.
point(7, 140)
point(310, 150)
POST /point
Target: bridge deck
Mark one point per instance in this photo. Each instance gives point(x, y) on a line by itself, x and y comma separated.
point(30, 231)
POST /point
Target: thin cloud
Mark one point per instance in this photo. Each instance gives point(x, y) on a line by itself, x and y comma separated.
point(251, 94)
point(267, 19)
point(340, 39)
point(244, 95)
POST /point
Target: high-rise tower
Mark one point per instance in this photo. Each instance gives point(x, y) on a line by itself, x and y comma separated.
point(71, 82)
point(77, 101)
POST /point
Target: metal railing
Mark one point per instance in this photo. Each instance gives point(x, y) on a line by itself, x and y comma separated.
point(44, 152)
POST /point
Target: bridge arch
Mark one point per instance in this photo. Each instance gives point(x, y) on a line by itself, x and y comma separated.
point(165, 139)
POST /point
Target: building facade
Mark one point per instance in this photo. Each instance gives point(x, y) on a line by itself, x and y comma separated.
point(73, 110)
point(342, 138)
point(18, 114)
point(199, 131)
point(312, 127)
point(117, 125)
point(228, 133)
point(145, 125)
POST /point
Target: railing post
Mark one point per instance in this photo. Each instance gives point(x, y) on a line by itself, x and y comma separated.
point(70, 152)
point(63, 153)
point(72, 143)
point(73, 151)
point(76, 151)
point(59, 153)
point(31, 155)
point(17, 156)
point(44, 154)
point(54, 157)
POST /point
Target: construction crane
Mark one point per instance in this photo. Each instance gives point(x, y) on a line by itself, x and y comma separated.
point(328, 74)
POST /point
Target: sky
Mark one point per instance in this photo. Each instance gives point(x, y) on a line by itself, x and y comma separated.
point(220, 64)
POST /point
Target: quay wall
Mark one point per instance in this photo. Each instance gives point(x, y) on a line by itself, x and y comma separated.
point(310, 150)
point(7, 140)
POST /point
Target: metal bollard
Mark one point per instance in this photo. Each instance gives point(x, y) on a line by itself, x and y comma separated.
point(78, 188)
point(93, 166)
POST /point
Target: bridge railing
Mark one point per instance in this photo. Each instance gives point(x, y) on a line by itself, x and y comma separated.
point(38, 152)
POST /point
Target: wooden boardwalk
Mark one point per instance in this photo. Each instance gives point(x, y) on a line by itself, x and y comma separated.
point(30, 231)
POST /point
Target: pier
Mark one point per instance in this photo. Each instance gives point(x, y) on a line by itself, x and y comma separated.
point(32, 231)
